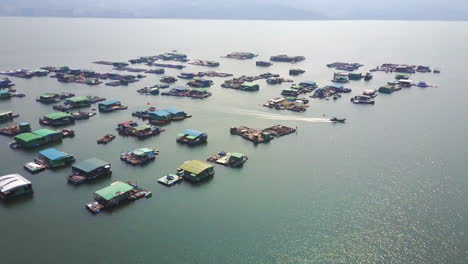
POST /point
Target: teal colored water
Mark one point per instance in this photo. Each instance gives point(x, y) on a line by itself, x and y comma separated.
point(389, 186)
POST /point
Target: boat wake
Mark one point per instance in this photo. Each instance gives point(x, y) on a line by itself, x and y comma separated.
point(270, 116)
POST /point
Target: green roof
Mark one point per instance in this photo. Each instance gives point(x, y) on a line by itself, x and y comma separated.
point(26, 137)
point(45, 132)
point(195, 166)
point(78, 99)
point(90, 164)
point(58, 115)
point(114, 190)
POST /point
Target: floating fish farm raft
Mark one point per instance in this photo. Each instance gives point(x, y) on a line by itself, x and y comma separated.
point(241, 55)
point(116, 194)
point(236, 83)
point(403, 68)
point(344, 66)
point(264, 135)
point(286, 58)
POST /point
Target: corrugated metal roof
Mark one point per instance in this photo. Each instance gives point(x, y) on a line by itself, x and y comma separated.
point(195, 166)
point(90, 164)
point(192, 132)
point(45, 132)
point(115, 189)
point(109, 102)
point(11, 182)
point(173, 111)
point(78, 99)
point(57, 115)
point(53, 154)
point(27, 137)
point(159, 113)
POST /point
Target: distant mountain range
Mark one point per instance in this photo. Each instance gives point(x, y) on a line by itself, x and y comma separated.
point(241, 9)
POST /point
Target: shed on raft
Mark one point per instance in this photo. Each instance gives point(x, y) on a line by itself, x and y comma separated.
point(14, 185)
point(54, 158)
point(196, 171)
point(113, 194)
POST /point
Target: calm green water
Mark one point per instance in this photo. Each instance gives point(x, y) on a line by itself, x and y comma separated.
point(389, 186)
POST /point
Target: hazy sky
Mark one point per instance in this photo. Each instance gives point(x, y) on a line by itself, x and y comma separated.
point(238, 9)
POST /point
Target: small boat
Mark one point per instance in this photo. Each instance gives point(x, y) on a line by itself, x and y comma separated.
point(67, 133)
point(362, 99)
point(106, 139)
point(368, 76)
point(422, 84)
point(337, 120)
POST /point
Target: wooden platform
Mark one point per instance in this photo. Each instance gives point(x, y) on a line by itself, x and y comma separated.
point(169, 182)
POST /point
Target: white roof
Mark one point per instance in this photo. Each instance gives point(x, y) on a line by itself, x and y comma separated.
point(11, 182)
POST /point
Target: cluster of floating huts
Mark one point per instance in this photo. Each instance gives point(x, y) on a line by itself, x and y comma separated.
point(194, 171)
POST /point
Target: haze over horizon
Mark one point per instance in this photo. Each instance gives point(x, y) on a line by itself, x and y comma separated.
point(242, 9)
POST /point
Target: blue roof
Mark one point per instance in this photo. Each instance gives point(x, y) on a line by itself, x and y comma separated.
point(160, 113)
point(53, 154)
point(192, 132)
point(3, 92)
point(109, 102)
point(173, 111)
point(308, 82)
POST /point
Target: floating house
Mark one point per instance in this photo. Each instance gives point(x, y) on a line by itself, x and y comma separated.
point(192, 137)
point(362, 99)
point(110, 105)
point(16, 129)
point(29, 140)
point(175, 114)
point(387, 89)
point(290, 92)
point(159, 117)
point(355, 76)
point(233, 159)
point(402, 76)
point(78, 101)
point(4, 95)
point(241, 55)
point(295, 72)
point(248, 86)
point(57, 119)
point(48, 98)
point(146, 130)
point(89, 169)
point(139, 156)
point(308, 84)
point(263, 63)
point(113, 194)
point(286, 58)
point(13, 185)
point(53, 158)
point(49, 135)
point(7, 116)
point(195, 170)
point(405, 83)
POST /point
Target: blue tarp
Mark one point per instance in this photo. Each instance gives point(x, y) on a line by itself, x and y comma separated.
point(160, 113)
point(109, 102)
point(53, 154)
point(192, 132)
point(173, 111)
